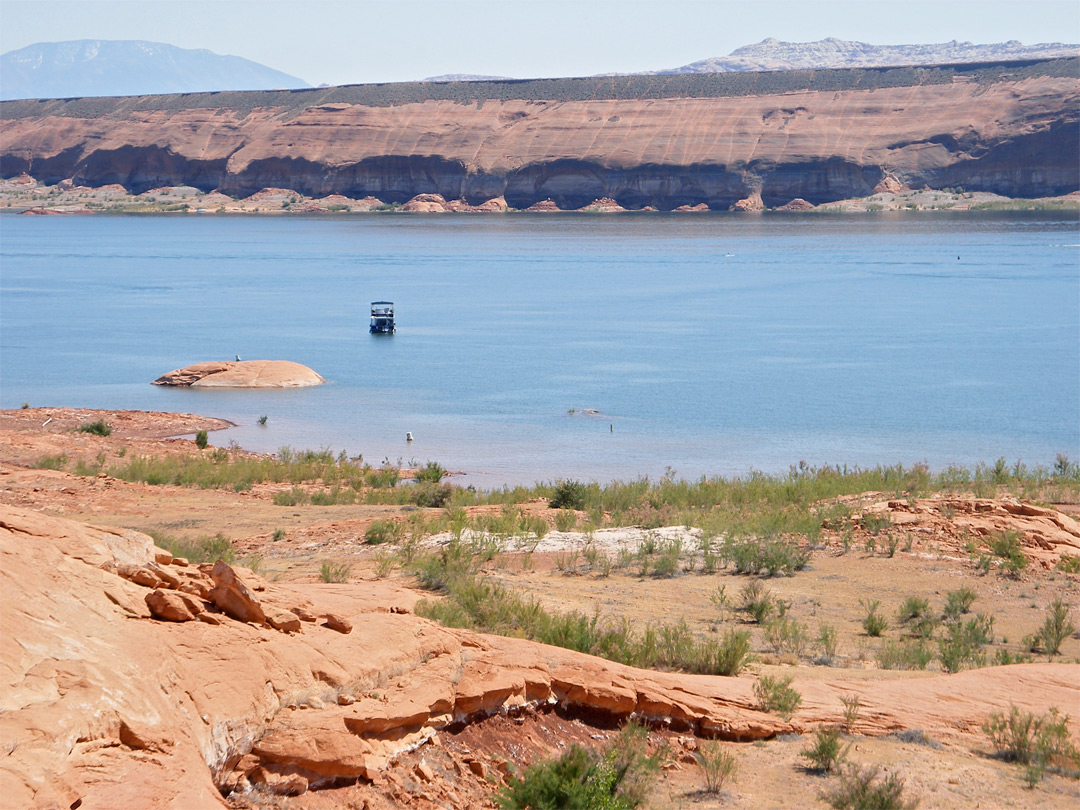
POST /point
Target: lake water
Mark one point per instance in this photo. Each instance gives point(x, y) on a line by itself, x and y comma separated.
point(709, 344)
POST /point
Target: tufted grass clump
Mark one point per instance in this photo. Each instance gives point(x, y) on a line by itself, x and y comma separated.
point(384, 531)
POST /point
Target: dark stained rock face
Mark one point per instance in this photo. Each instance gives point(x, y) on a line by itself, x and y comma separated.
point(664, 142)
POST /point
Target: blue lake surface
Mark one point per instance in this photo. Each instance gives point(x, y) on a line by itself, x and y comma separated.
point(709, 344)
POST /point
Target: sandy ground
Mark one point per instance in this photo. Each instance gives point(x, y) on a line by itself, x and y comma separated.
point(555, 569)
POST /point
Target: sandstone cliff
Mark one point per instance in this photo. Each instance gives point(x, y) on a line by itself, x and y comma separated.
point(661, 141)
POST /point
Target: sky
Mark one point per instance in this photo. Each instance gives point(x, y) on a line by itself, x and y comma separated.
point(359, 41)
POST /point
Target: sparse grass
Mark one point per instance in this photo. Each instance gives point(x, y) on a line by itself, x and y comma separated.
point(904, 655)
point(52, 462)
point(384, 531)
point(851, 704)
point(958, 602)
point(565, 520)
point(334, 572)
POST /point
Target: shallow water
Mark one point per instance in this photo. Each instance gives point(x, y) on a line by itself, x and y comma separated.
point(709, 344)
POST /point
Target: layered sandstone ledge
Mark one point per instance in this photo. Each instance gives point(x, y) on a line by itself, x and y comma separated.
point(628, 143)
point(131, 678)
point(242, 374)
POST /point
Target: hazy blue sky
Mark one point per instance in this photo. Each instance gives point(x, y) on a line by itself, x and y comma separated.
point(346, 41)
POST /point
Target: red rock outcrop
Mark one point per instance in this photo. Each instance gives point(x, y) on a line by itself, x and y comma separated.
point(242, 374)
point(641, 141)
point(104, 705)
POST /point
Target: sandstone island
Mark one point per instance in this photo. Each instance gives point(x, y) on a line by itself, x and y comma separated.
point(242, 374)
point(952, 136)
point(187, 628)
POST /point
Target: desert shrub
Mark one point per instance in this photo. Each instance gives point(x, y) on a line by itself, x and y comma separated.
point(1055, 629)
point(1039, 742)
point(98, 427)
point(383, 531)
point(666, 563)
point(876, 522)
point(718, 765)
point(615, 778)
point(334, 572)
point(201, 440)
point(728, 656)
point(872, 623)
point(1069, 563)
point(963, 645)
point(758, 601)
point(828, 642)
point(568, 495)
point(904, 655)
point(776, 696)
point(432, 495)
point(768, 557)
point(565, 520)
point(915, 736)
point(958, 602)
point(1007, 546)
point(786, 635)
point(866, 789)
point(279, 535)
point(851, 704)
point(52, 462)
point(828, 751)
point(912, 609)
point(432, 473)
point(202, 550)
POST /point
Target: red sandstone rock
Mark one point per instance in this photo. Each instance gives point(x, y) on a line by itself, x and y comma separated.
point(172, 606)
point(751, 203)
point(427, 204)
point(283, 620)
point(233, 597)
point(699, 208)
point(798, 204)
point(339, 623)
point(544, 206)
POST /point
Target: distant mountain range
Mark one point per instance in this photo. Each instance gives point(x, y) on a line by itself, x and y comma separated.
point(772, 54)
point(128, 68)
point(135, 67)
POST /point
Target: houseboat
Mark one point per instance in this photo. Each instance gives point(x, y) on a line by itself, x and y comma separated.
point(382, 318)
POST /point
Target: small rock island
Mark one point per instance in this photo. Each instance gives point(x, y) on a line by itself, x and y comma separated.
point(242, 374)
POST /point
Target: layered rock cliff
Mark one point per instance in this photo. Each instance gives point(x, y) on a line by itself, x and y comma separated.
point(661, 141)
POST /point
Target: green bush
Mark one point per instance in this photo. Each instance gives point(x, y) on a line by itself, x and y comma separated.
point(866, 789)
point(758, 601)
point(616, 778)
point(776, 696)
point(827, 752)
point(786, 635)
point(201, 440)
point(1069, 563)
point(568, 495)
point(963, 646)
point(98, 428)
point(912, 609)
point(769, 557)
point(432, 495)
